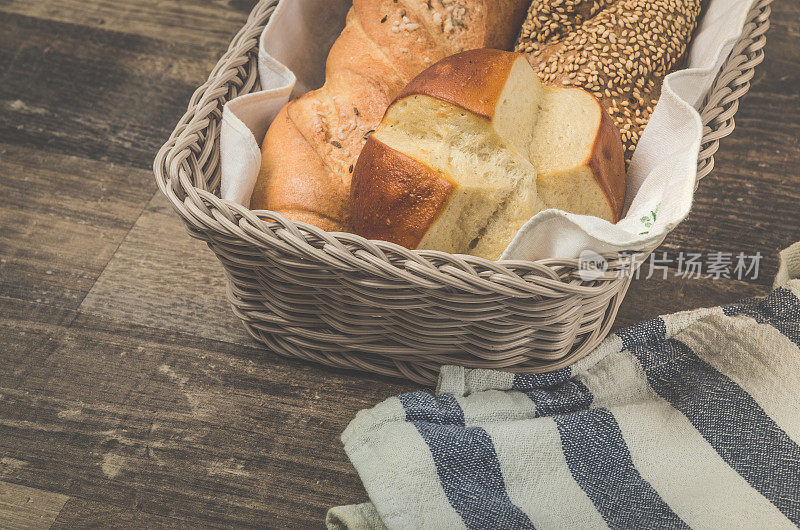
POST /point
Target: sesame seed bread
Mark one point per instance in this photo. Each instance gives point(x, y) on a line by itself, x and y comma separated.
point(474, 147)
point(310, 149)
point(619, 50)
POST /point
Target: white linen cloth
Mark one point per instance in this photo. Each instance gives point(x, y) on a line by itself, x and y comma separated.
point(661, 178)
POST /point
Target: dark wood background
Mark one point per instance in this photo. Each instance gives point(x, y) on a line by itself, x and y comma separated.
point(129, 394)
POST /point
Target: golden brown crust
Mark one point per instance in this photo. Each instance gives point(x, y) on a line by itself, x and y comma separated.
point(453, 80)
point(405, 50)
point(311, 184)
point(384, 44)
point(607, 163)
point(396, 198)
point(502, 20)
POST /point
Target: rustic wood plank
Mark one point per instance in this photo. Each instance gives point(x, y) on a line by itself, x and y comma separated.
point(81, 513)
point(98, 94)
point(26, 508)
point(162, 278)
point(175, 425)
point(200, 23)
point(63, 217)
point(35, 336)
point(648, 299)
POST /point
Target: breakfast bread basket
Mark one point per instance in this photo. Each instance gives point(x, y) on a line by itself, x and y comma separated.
point(344, 301)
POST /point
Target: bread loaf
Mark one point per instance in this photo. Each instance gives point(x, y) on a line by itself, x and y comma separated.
point(311, 148)
point(474, 147)
point(618, 50)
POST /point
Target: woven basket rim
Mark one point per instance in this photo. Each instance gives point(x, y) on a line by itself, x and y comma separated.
point(202, 209)
point(310, 294)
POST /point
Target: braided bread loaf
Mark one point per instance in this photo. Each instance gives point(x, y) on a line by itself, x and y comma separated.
point(311, 147)
point(619, 50)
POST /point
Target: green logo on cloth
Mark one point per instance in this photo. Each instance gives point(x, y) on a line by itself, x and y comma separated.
point(649, 220)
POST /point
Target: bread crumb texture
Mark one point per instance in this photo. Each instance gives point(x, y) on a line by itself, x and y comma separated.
point(620, 51)
point(541, 148)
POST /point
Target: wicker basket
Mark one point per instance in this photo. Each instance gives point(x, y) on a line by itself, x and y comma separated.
point(343, 301)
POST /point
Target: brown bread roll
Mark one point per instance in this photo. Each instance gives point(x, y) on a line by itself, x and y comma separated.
point(620, 51)
point(311, 148)
point(474, 147)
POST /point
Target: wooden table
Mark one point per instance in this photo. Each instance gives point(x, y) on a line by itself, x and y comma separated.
point(124, 399)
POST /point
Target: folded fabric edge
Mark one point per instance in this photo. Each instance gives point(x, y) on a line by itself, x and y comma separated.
point(452, 380)
point(362, 516)
point(368, 420)
point(233, 189)
point(286, 80)
point(789, 268)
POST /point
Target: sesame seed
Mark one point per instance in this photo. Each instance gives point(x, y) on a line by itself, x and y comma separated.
point(593, 39)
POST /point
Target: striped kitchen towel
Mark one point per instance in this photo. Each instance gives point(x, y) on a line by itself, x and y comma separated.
point(689, 420)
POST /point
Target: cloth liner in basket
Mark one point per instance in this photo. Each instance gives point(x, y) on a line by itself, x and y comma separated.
point(661, 177)
point(344, 301)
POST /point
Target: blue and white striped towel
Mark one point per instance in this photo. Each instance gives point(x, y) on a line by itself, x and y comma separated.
point(688, 420)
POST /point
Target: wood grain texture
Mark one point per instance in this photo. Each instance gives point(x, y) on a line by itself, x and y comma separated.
point(162, 278)
point(140, 406)
point(174, 425)
point(81, 513)
point(651, 298)
point(62, 219)
point(24, 508)
point(199, 23)
point(94, 93)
